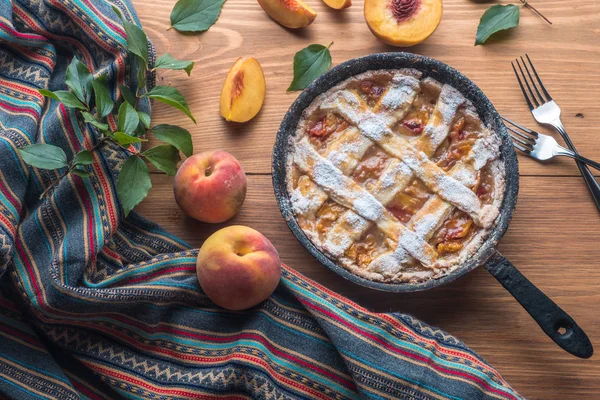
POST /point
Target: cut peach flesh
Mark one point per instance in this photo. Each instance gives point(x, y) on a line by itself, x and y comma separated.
point(289, 13)
point(243, 92)
point(338, 4)
point(407, 32)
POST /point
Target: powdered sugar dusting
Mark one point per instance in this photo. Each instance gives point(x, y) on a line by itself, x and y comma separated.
point(401, 94)
point(347, 151)
point(353, 149)
point(441, 183)
point(485, 149)
point(450, 100)
point(458, 195)
point(441, 120)
point(416, 247)
point(348, 228)
point(427, 224)
point(367, 206)
point(391, 174)
point(489, 213)
point(305, 205)
point(388, 264)
point(411, 159)
point(354, 220)
point(336, 245)
point(373, 127)
point(327, 176)
point(464, 174)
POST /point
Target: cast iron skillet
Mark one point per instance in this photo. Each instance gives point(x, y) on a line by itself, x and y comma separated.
point(556, 323)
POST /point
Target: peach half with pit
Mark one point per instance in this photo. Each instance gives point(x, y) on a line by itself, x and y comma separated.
point(243, 91)
point(238, 267)
point(210, 186)
point(403, 22)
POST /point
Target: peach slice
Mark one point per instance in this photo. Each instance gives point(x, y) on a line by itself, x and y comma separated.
point(403, 22)
point(338, 4)
point(243, 92)
point(289, 13)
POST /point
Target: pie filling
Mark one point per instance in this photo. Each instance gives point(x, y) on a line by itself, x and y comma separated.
point(395, 177)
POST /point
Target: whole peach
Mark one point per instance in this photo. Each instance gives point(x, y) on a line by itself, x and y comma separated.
point(238, 267)
point(210, 186)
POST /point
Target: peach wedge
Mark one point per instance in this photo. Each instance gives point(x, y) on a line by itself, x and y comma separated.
point(289, 13)
point(338, 4)
point(244, 90)
point(403, 22)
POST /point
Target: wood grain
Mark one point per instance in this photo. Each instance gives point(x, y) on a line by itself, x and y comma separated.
point(553, 237)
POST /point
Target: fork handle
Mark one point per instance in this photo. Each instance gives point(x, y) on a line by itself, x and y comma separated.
point(588, 177)
point(553, 320)
point(576, 156)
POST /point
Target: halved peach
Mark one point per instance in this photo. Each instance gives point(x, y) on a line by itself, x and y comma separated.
point(338, 4)
point(403, 22)
point(289, 13)
point(244, 90)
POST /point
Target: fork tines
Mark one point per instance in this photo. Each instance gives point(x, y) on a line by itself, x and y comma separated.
point(532, 100)
point(524, 138)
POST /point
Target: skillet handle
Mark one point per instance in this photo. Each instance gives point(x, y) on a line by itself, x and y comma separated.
point(556, 323)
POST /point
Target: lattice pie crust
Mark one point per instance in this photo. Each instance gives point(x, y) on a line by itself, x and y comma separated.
point(395, 177)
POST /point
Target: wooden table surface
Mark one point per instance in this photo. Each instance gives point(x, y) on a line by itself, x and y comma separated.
point(553, 238)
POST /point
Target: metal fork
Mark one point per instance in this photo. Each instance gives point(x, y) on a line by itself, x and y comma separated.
point(541, 147)
point(547, 112)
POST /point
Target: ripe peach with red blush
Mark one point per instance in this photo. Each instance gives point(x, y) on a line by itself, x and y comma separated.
point(238, 267)
point(210, 186)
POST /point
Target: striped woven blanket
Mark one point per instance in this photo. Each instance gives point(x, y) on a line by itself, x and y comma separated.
point(97, 306)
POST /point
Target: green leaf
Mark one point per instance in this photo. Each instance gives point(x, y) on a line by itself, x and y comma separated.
point(133, 183)
point(171, 96)
point(104, 103)
point(81, 172)
point(118, 12)
point(67, 98)
point(310, 63)
point(164, 157)
point(125, 140)
point(128, 118)
point(175, 135)
point(89, 118)
point(144, 119)
point(45, 156)
point(79, 79)
point(84, 157)
point(166, 61)
point(497, 18)
point(141, 75)
point(140, 130)
point(137, 42)
point(127, 94)
point(195, 15)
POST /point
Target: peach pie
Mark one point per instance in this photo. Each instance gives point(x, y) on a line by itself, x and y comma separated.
point(394, 176)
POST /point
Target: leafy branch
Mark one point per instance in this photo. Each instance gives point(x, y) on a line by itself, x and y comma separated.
point(119, 122)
